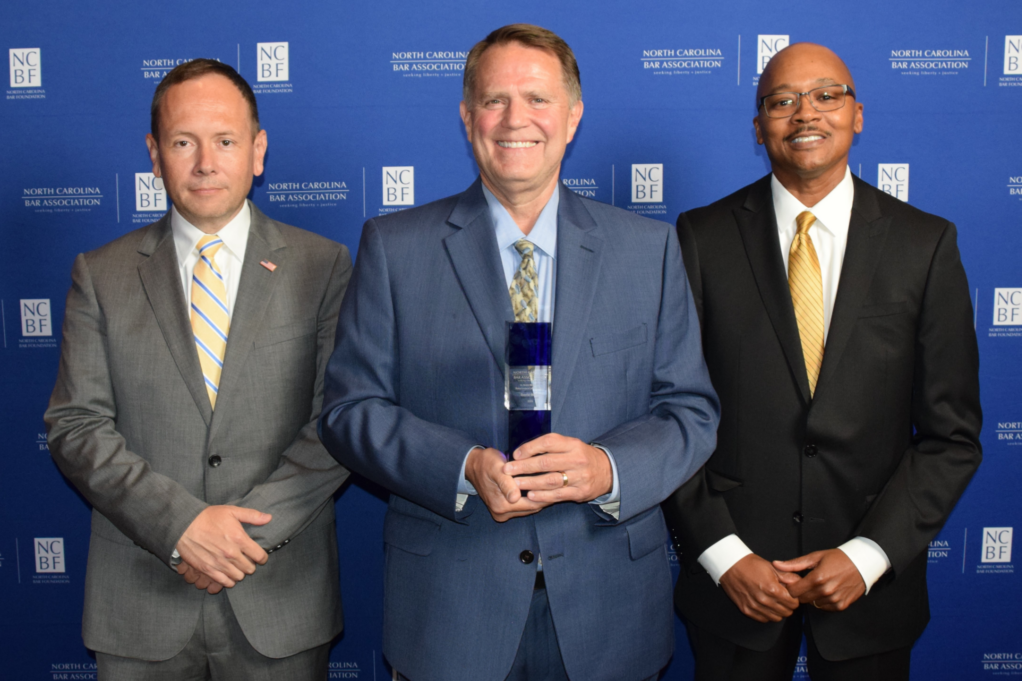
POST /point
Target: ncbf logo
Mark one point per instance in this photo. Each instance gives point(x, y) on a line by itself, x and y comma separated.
point(647, 182)
point(273, 62)
point(26, 67)
point(399, 186)
point(1007, 306)
point(149, 193)
point(997, 544)
point(49, 554)
point(1012, 55)
point(35, 317)
point(766, 47)
point(892, 178)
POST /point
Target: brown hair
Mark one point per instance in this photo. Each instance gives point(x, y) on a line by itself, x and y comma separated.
point(530, 36)
point(197, 68)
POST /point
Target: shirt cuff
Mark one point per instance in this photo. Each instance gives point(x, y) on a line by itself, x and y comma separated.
point(869, 559)
point(464, 486)
point(610, 503)
point(722, 556)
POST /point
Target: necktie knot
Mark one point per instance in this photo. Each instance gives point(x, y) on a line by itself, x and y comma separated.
point(209, 245)
point(804, 221)
point(524, 248)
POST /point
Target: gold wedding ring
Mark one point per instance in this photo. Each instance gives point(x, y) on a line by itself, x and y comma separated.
point(564, 477)
point(815, 606)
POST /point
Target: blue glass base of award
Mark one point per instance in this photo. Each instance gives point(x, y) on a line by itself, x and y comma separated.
point(527, 382)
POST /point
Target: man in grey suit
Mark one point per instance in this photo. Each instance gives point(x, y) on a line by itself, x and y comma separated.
point(200, 457)
point(552, 565)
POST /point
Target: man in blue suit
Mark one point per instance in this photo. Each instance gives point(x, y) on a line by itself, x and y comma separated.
point(550, 565)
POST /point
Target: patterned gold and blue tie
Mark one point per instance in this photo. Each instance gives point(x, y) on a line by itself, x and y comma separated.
point(523, 286)
point(210, 318)
point(806, 284)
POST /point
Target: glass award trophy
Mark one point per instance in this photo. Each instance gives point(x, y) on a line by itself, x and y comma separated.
point(527, 382)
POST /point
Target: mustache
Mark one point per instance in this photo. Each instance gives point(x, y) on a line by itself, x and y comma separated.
point(807, 128)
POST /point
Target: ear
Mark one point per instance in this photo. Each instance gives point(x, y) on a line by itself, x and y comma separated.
point(574, 118)
point(858, 118)
point(154, 153)
point(466, 118)
point(759, 133)
point(259, 152)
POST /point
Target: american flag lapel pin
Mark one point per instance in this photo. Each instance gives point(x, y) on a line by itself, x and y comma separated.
point(268, 265)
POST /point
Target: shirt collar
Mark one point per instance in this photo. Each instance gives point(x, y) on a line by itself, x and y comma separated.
point(187, 235)
point(543, 235)
point(832, 213)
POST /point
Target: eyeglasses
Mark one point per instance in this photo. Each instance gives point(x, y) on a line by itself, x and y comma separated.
point(785, 104)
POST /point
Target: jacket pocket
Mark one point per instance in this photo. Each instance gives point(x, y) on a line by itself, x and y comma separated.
point(280, 334)
point(884, 309)
point(647, 534)
point(613, 342)
point(719, 482)
point(414, 535)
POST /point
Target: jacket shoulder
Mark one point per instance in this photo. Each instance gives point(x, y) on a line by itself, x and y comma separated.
point(612, 217)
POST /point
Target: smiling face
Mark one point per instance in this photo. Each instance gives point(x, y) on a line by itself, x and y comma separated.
point(207, 151)
point(810, 145)
point(520, 120)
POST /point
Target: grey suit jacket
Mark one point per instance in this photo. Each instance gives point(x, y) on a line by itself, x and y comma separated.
point(130, 424)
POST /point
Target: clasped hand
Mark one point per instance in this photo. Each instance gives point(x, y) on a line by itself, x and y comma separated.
point(769, 592)
point(216, 551)
point(568, 470)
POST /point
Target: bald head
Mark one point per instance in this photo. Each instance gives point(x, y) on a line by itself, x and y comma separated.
point(801, 62)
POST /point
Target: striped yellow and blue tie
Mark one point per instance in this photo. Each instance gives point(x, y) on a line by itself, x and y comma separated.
point(210, 318)
point(806, 284)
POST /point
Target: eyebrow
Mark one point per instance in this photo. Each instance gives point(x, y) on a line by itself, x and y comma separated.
point(785, 87)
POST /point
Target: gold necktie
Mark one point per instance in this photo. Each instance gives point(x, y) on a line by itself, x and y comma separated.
point(210, 319)
point(523, 285)
point(806, 286)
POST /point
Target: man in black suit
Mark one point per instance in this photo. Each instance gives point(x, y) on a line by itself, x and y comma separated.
point(837, 327)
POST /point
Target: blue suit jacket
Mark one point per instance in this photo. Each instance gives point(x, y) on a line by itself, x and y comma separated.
point(416, 380)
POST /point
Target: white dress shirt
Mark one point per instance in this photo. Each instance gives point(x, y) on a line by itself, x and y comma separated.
point(228, 259)
point(830, 237)
point(543, 237)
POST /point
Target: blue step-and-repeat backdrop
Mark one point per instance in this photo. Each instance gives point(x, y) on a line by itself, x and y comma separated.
point(360, 100)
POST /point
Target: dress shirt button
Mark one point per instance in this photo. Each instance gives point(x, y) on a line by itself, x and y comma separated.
point(810, 451)
point(526, 556)
point(214, 460)
point(796, 516)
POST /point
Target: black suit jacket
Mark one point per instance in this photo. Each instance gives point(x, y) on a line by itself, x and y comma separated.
point(885, 447)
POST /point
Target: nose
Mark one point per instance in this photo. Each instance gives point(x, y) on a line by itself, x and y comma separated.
point(204, 155)
point(805, 112)
point(514, 114)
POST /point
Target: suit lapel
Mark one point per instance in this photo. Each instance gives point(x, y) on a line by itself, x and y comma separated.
point(476, 262)
point(867, 233)
point(161, 278)
point(255, 289)
point(579, 255)
point(758, 227)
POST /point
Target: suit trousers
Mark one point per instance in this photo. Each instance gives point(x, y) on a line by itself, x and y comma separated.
point(538, 657)
point(718, 659)
point(218, 651)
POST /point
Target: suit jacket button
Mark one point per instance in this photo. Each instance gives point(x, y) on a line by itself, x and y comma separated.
point(796, 516)
point(215, 460)
point(526, 556)
point(810, 451)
